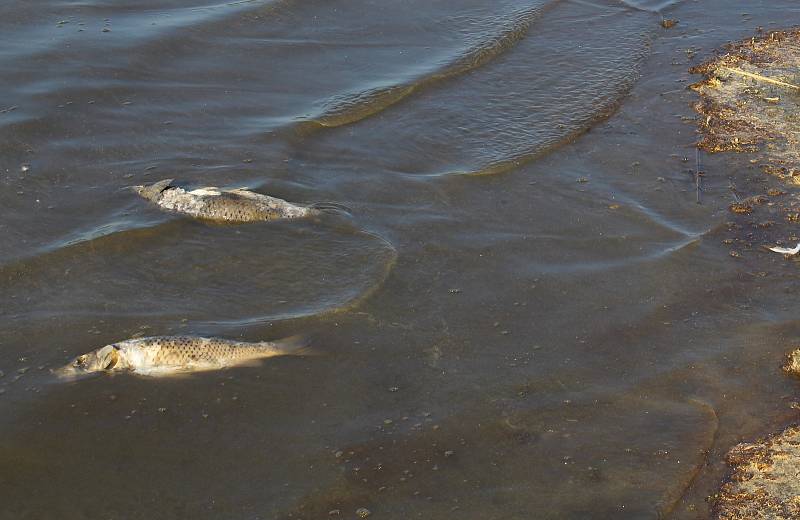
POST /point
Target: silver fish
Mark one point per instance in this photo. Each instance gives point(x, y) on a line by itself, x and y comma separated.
point(166, 355)
point(236, 205)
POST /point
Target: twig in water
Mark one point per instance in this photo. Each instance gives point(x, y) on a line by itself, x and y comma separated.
point(698, 175)
point(733, 192)
point(759, 77)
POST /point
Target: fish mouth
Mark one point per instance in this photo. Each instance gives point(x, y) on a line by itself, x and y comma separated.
point(65, 372)
point(70, 373)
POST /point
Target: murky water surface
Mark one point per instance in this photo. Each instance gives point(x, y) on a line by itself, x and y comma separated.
point(524, 312)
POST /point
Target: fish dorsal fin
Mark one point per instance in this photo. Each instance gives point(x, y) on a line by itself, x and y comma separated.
point(207, 191)
point(153, 191)
point(160, 186)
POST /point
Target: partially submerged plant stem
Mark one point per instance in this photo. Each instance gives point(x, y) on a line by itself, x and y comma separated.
point(759, 77)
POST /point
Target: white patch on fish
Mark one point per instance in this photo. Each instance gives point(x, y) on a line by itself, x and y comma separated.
point(168, 355)
point(786, 251)
point(210, 190)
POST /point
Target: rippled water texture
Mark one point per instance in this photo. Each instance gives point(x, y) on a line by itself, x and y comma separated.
point(523, 311)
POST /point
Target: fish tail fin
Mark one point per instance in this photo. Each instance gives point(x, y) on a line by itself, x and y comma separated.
point(299, 345)
point(331, 207)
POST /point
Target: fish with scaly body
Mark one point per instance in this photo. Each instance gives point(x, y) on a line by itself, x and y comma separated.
point(211, 203)
point(166, 355)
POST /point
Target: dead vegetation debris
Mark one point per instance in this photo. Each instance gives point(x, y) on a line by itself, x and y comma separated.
point(750, 101)
point(762, 483)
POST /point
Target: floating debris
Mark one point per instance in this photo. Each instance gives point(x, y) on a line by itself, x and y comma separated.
point(363, 512)
point(786, 251)
point(668, 23)
point(792, 365)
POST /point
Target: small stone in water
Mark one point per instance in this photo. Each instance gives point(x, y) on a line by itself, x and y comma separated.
point(363, 512)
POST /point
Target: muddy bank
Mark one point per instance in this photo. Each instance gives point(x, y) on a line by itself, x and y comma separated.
point(750, 103)
point(763, 481)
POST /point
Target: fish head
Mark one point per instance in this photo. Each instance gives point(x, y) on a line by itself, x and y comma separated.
point(103, 359)
point(152, 191)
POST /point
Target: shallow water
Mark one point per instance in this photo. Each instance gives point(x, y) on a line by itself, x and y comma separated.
point(524, 312)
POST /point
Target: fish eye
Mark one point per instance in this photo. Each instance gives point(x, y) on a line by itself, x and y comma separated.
point(79, 361)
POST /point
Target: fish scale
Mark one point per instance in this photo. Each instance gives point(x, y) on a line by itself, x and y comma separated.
point(188, 351)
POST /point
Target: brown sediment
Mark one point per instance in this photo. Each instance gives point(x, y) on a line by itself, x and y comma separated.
point(763, 482)
point(668, 23)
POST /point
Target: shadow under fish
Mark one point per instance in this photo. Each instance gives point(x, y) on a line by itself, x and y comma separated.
point(170, 355)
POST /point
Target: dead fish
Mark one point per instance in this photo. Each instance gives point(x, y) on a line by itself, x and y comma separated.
point(786, 251)
point(211, 203)
point(167, 355)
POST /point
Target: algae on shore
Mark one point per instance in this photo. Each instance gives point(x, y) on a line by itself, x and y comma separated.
point(763, 482)
point(750, 101)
